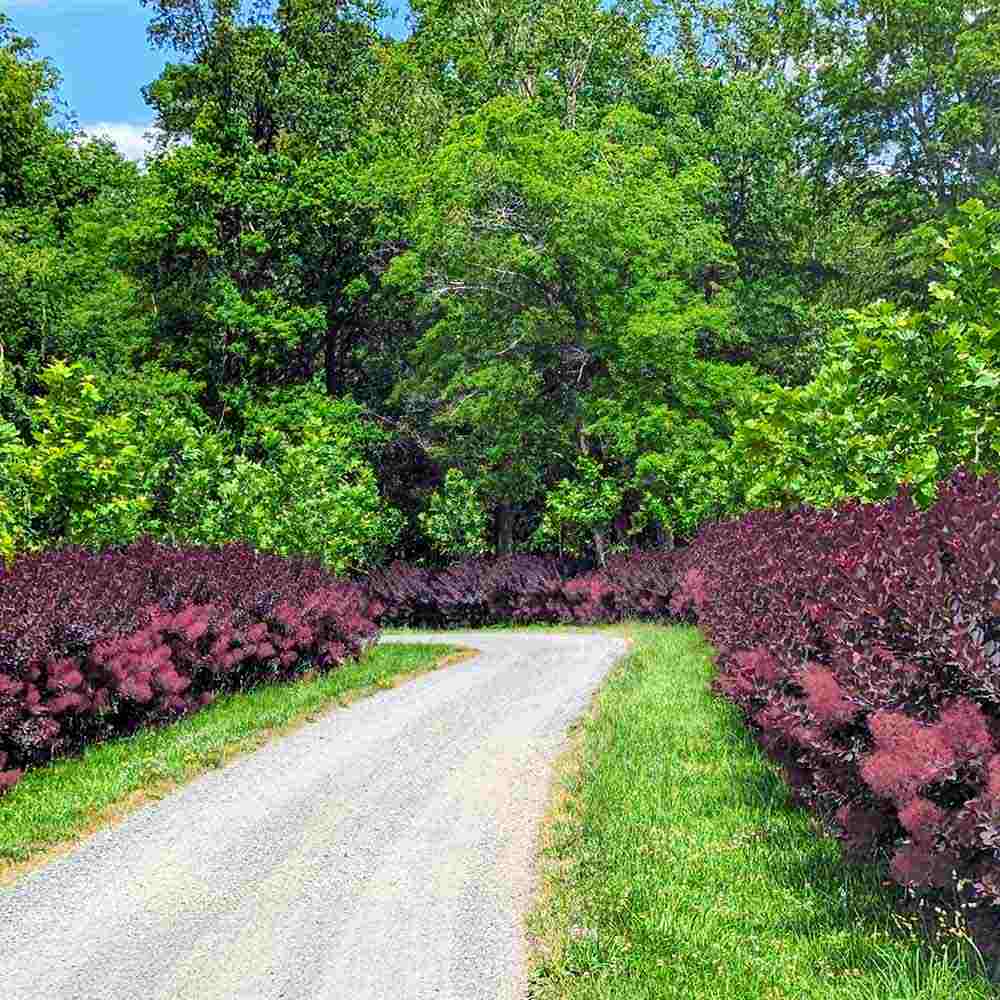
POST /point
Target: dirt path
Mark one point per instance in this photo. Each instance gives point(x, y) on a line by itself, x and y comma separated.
point(382, 852)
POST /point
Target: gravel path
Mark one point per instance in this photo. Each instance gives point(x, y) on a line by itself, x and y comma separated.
point(382, 852)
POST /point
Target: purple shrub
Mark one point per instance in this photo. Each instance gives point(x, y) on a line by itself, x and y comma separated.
point(641, 584)
point(470, 592)
point(94, 645)
point(861, 645)
point(523, 589)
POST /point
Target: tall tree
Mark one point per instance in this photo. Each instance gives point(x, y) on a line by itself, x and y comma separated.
point(60, 194)
point(271, 72)
point(532, 245)
point(913, 87)
point(249, 235)
point(905, 87)
point(566, 53)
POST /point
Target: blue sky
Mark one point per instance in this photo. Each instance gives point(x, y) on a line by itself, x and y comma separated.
point(100, 48)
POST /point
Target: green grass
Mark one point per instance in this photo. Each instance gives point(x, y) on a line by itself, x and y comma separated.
point(56, 804)
point(674, 867)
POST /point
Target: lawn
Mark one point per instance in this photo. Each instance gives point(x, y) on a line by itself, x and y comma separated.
point(56, 804)
point(673, 866)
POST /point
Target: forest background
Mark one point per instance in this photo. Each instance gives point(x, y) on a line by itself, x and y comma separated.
point(538, 275)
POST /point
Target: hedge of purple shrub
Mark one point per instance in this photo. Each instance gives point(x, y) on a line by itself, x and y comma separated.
point(862, 645)
point(94, 645)
point(523, 588)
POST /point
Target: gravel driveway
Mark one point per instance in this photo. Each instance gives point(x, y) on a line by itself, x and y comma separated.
point(382, 852)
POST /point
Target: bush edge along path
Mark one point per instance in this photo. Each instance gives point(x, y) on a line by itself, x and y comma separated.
point(672, 864)
point(587, 921)
point(53, 807)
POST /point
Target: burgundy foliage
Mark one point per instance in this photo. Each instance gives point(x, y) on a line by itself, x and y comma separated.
point(93, 645)
point(521, 589)
point(863, 646)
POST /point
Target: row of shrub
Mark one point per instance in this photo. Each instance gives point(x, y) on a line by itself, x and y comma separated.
point(862, 644)
point(94, 645)
point(524, 588)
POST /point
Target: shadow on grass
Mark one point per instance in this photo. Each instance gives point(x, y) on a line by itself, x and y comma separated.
point(850, 897)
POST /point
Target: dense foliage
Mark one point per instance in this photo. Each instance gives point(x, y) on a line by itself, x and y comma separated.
point(905, 395)
point(539, 276)
point(113, 459)
point(93, 646)
point(863, 645)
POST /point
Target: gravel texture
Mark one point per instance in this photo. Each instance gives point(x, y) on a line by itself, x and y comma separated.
point(384, 851)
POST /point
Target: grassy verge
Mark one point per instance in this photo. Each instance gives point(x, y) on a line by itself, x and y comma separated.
point(53, 806)
point(672, 865)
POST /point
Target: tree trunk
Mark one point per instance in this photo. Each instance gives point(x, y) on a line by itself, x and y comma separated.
point(505, 530)
point(664, 537)
point(600, 547)
point(334, 363)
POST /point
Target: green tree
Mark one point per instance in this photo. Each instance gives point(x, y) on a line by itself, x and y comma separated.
point(268, 73)
point(98, 455)
point(905, 395)
point(455, 522)
point(579, 512)
point(15, 504)
point(26, 87)
point(300, 482)
point(60, 197)
point(904, 87)
point(913, 86)
point(251, 237)
point(776, 218)
point(567, 54)
point(531, 246)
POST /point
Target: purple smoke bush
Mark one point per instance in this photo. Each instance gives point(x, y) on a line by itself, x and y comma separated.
point(525, 588)
point(93, 645)
point(862, 645)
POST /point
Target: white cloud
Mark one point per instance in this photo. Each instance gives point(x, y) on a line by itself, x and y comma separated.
point(134, 141)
